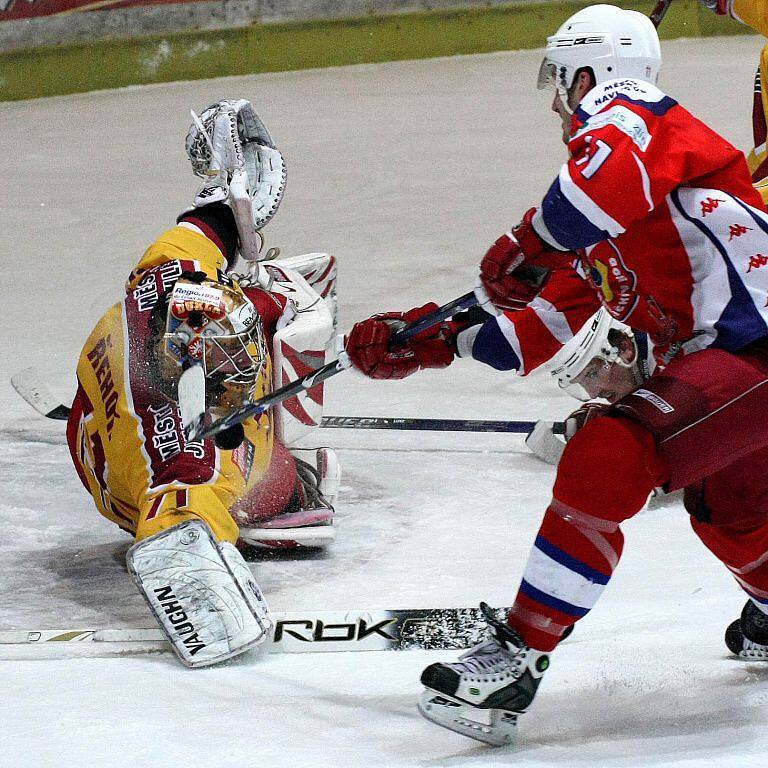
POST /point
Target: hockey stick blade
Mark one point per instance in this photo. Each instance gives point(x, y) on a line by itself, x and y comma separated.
point(294, 632)
point(29, 384)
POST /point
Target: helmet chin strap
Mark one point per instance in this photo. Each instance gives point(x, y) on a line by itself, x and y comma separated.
point(562, 92)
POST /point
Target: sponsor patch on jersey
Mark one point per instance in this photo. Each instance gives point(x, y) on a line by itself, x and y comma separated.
point(654, 400)
point(625, 120)
point(242, 458)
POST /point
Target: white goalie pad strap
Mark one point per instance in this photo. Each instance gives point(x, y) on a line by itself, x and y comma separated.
point(208, 613)
point(191, 397)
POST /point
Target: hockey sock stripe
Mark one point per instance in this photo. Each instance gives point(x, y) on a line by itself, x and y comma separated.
point(562, 558)
point(593, 529)
point(751, 566)
point(761, 605)
point(563, 582)
point(757, 595)
point(542, 623)
point(550, 601)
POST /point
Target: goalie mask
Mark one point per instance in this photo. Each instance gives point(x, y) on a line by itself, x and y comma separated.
point(215, 325)
point(600, 344)
point(230, 147)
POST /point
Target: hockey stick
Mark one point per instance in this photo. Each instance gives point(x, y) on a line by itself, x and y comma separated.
point(295, 632)
point(28, 383)
point(330, 369)
point(435, 425)
point(659, 12)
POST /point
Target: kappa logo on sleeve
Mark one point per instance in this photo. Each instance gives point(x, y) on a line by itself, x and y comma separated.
point(654, 400)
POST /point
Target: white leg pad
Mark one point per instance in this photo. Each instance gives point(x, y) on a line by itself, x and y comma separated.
point(201, 592)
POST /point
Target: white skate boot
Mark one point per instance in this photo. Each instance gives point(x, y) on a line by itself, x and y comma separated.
point(747, 637)
point(483, 693)
point(311, 525)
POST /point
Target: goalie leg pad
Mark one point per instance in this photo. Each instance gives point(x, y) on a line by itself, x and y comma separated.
point(201, 593)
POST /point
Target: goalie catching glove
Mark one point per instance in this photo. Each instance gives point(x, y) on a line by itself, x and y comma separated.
point(368, 345)
point(516, 267)
point(230, 147)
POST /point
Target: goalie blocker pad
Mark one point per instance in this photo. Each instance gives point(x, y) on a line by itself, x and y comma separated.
point(201, 592)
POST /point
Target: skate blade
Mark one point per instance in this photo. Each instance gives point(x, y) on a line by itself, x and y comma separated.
point(753, 655)
point(499, 731)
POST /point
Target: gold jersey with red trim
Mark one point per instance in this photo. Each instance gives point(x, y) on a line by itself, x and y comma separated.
point(125, 431)
point(754, 14)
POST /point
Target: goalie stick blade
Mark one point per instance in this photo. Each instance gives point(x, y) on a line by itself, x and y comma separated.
point(309, 536)
point(294, 632)
point(29, 384)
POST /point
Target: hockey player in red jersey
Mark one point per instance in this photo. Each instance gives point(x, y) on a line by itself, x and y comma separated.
point(654, 217)
point(607, 361)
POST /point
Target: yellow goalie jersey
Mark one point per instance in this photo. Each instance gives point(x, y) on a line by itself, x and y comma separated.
point(754, 13)
point(125, 432)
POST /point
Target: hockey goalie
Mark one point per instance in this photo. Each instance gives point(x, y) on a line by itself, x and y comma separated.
point(191, 331)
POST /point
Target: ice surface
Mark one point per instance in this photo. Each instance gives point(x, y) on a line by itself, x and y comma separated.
point(405, 171)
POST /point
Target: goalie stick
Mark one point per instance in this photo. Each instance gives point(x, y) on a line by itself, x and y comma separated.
point(295, 632)
point(29, 384)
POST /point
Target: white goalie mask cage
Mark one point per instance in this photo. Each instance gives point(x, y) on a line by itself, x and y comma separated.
point(592, 341)
point(613, 42)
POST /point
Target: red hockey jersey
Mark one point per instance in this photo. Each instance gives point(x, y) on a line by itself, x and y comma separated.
point(671, 236)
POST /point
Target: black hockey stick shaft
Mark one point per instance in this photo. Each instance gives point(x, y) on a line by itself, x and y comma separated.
point(330, 369)
point(659, 12)
point(434, 425)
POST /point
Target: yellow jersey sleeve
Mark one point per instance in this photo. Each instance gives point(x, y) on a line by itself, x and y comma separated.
point(753, 13)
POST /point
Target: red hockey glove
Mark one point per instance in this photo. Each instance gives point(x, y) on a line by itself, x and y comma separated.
point(582, 415)
point(515, 268)
point(368, 345)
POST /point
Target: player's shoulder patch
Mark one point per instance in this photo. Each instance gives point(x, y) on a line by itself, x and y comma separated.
point(632, 92)
point(623, 118)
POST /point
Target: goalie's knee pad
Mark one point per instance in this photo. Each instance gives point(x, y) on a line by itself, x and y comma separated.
point(201, 592)
point(609, 468)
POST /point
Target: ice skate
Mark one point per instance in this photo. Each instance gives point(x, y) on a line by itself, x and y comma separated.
point(747, 637)
point(311, 524)
point(484, 692)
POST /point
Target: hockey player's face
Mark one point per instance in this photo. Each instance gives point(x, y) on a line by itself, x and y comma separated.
point(565, 116)
point(612, 380)
point(606, 381)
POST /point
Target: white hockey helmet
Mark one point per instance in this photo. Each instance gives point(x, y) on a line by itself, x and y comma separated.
point(594, 339)
point(612, 42)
